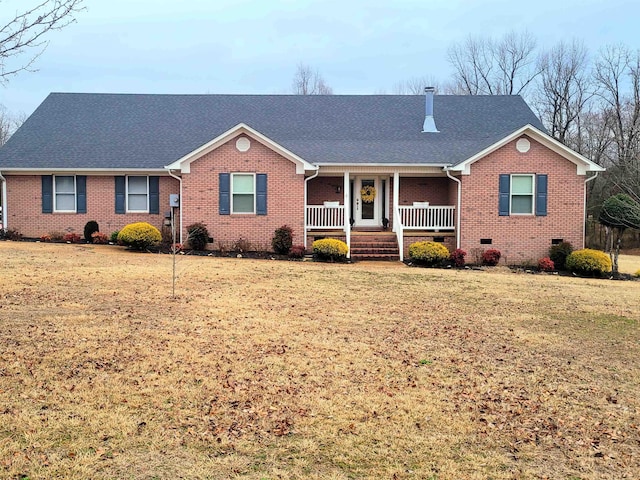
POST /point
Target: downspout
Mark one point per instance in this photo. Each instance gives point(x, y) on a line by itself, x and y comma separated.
point(459, 210)
point(584, 216)
point(180, 207)
point(4, 201)
point(306, 180)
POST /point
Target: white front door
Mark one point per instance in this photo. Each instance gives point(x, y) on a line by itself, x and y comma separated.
point(367, 208)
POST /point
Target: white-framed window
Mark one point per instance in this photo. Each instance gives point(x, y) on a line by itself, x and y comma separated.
point(522, 194)
point(138, 194)
point(243, 193)
point(64, 193)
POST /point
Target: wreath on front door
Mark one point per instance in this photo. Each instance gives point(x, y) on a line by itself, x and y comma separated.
point(368, 194)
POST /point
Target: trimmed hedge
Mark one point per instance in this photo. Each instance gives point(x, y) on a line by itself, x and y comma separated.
point(139, 236)
point(330, 249)
point(589, 262)
point(428, 253)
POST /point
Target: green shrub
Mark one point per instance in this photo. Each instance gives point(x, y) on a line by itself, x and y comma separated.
point(589, 262)
point(139, 236)
point(428, 253)
point(198, 236)
point(330, 249)
point(113, 238)
point(90, 228)
point(559, 253)
point(282, 240)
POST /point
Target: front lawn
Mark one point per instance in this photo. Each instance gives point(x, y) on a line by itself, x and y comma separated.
point(278, 370)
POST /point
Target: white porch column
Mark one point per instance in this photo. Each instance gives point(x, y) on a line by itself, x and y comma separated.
point(396, 198)
point(347, 211)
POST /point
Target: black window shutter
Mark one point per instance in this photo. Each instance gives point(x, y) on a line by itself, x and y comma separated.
point(541, 195)
point(154, 195)
point(120, 194)
point(505, 185)
point(261, 193)
point(47, 193)
point(224, 194)
point(81, 193)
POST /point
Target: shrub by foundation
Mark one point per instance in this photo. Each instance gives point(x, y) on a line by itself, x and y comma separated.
point(139, 236)
point(297, 251)
point(589, 262)
point(113, 238)
point(546, 265)
point(428, 253)
point(99, 238)
point(198, 236)
point(559, 253)
point(72, 238)
point(282, 240)
point(330, 250)
point(457, 257)
point(89, 229)
point(491, 257)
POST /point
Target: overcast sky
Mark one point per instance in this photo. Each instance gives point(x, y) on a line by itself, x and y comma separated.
point(251, 46)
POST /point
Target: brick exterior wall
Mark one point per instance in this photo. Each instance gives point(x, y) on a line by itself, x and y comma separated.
point(323, 189)
point(24, 207)
point(285, 195)
point(522, 239)
point(434, 190)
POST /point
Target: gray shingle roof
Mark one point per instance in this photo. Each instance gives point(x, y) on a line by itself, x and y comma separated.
point(122, 131)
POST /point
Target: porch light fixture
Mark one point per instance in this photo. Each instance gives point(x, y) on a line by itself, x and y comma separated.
point(338, 188)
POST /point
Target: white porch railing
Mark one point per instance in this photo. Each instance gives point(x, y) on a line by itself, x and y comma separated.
point(325, 217)
point(422, 218)
point(427, 218)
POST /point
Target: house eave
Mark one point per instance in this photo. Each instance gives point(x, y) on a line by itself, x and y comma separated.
point(583, 164)
point(86, 171)
point(183, 165)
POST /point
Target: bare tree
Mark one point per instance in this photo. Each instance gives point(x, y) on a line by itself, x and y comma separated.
point(563, 91)
point(308, 81)
point(483, 66)
point(24, 33)
point(415, 86)
point(617, 73)
point(9, 124)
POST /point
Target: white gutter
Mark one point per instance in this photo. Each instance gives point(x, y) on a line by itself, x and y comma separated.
point(180, 207)
point(584, 214)
point(459, 210)
point(4, 201)
point(306, 180)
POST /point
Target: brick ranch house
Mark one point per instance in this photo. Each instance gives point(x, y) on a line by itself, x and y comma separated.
point(474, 172)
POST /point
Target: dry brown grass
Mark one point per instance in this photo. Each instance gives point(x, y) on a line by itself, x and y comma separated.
point(266, 369)
point(629, 263)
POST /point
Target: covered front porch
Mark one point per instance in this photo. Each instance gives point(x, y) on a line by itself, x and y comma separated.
point(409, 204)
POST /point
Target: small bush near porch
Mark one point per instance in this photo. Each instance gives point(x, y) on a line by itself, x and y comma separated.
point(265, 369)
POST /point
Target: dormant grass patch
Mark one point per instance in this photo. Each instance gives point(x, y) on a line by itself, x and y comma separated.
point(282, 370)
